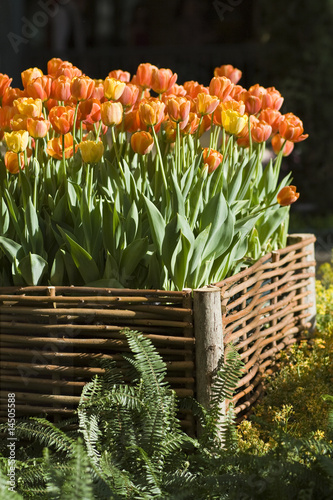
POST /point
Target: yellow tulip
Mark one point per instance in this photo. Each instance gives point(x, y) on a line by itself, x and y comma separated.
point(17, 140)
point(233, 122)
point(91, 151)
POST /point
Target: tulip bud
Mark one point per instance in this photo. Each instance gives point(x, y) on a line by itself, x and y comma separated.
point(17, 141)
point(212, 159)
point(142, 142)
point(287, 196)
point(111, 113)
point(91, 151)
point(113, 88)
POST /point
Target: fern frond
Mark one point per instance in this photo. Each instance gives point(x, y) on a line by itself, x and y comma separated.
point(78, 483)
point(91, 432)
point(5, 492)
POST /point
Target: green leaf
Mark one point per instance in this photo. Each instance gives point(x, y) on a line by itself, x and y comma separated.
point(32, 268)
point(218, 214)
point(177, 197)
point(273, 220)
point(58, 269)
point(156, 224)
point(4, 217)
point(33, 232)
point(198, 247)
point(10, 248)
point(132, 255)
point(84, 262)
point(132, 222)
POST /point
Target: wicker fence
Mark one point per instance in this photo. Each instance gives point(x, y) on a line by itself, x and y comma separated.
point(53, 338)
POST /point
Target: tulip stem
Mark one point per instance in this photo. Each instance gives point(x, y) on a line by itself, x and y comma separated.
point(250, 137)
point(64, 156)
point(178, 169)
point(74, 127)
point(160, 159)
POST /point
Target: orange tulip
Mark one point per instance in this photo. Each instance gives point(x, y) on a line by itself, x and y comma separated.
point(193, 88)
point(175, 91)
point(54, 147)
point(82, 87)
point(291, 128)
point(252, 103)
point(29, 75)
point(119, 74)
point(11, 94)
point(220, 86)
point(237, 93)
point(162, 80)
point(53, 66)
point(5, 81)
point(62, 118)
point(142, 142)
point(271, 116)
point(131, 121)
point(98, 92)
point(272, 99)
point(206, 104)
point(11, 162)
point(287, 196)
point(113, 88)
point(151, 111)
point(61, 88)
point(29, 106)
point(40, 88)
point(143, 76)
point(170, 131)
point(67, 69)
point(192, 124)
point(229, 71)
point(277, 143)
point(129, 95)
point(38, 127)
point(89, 111)
point(212, 159)
point(111, 113)
point(229, 104)
point(6, 115)
point(178, 109)
point(91, 151)
point(261, 132)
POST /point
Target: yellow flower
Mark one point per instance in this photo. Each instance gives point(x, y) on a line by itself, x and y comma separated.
point(233, 122)
point(29, 106)
point(17, 141)
point(91, 151)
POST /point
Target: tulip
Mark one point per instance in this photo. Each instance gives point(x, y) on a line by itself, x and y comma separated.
point(230, 104)
point(29, 106)
point(111, 113)
point(194, 88)
point(12, 163)
point(252, 103)
point(229, 71)
point(54, 147)
point(67, 69)
point(170, 131)
point(91, 151)
point(53, 65)
point(11, 94)
point(206, 104)
point(271, 116)
point(143, 76)
point(131, 121)
point(6, 115)
point(287, 196)
point(61, 88)
point(142, 142)
point(178, 109)
point(162, 80)
point(29, 75)
point(129, 95)
point(18, 122)
point(151, 111)
point(98, 92)
point(192, 124)
point(38, 127)
point(5, 81)
point(89, 111)
point(82, 87)
point(273, 97)
point(277, 143)
point(40, 88)
point(291, 128)
point(113, 88)
point(220, 86)
point(62, 119)
point(175, 91)
point(17, 141)
point(261, 132)
point(233, 122)
point(212, 159)
point(119, 74)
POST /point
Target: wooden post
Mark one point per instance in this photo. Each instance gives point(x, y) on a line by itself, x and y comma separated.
point(208, 333)
point(311, 287)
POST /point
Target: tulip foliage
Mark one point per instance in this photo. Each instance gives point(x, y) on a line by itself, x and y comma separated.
point(139, 182)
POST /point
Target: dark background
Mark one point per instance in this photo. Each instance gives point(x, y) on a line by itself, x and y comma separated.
point(286, 44)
